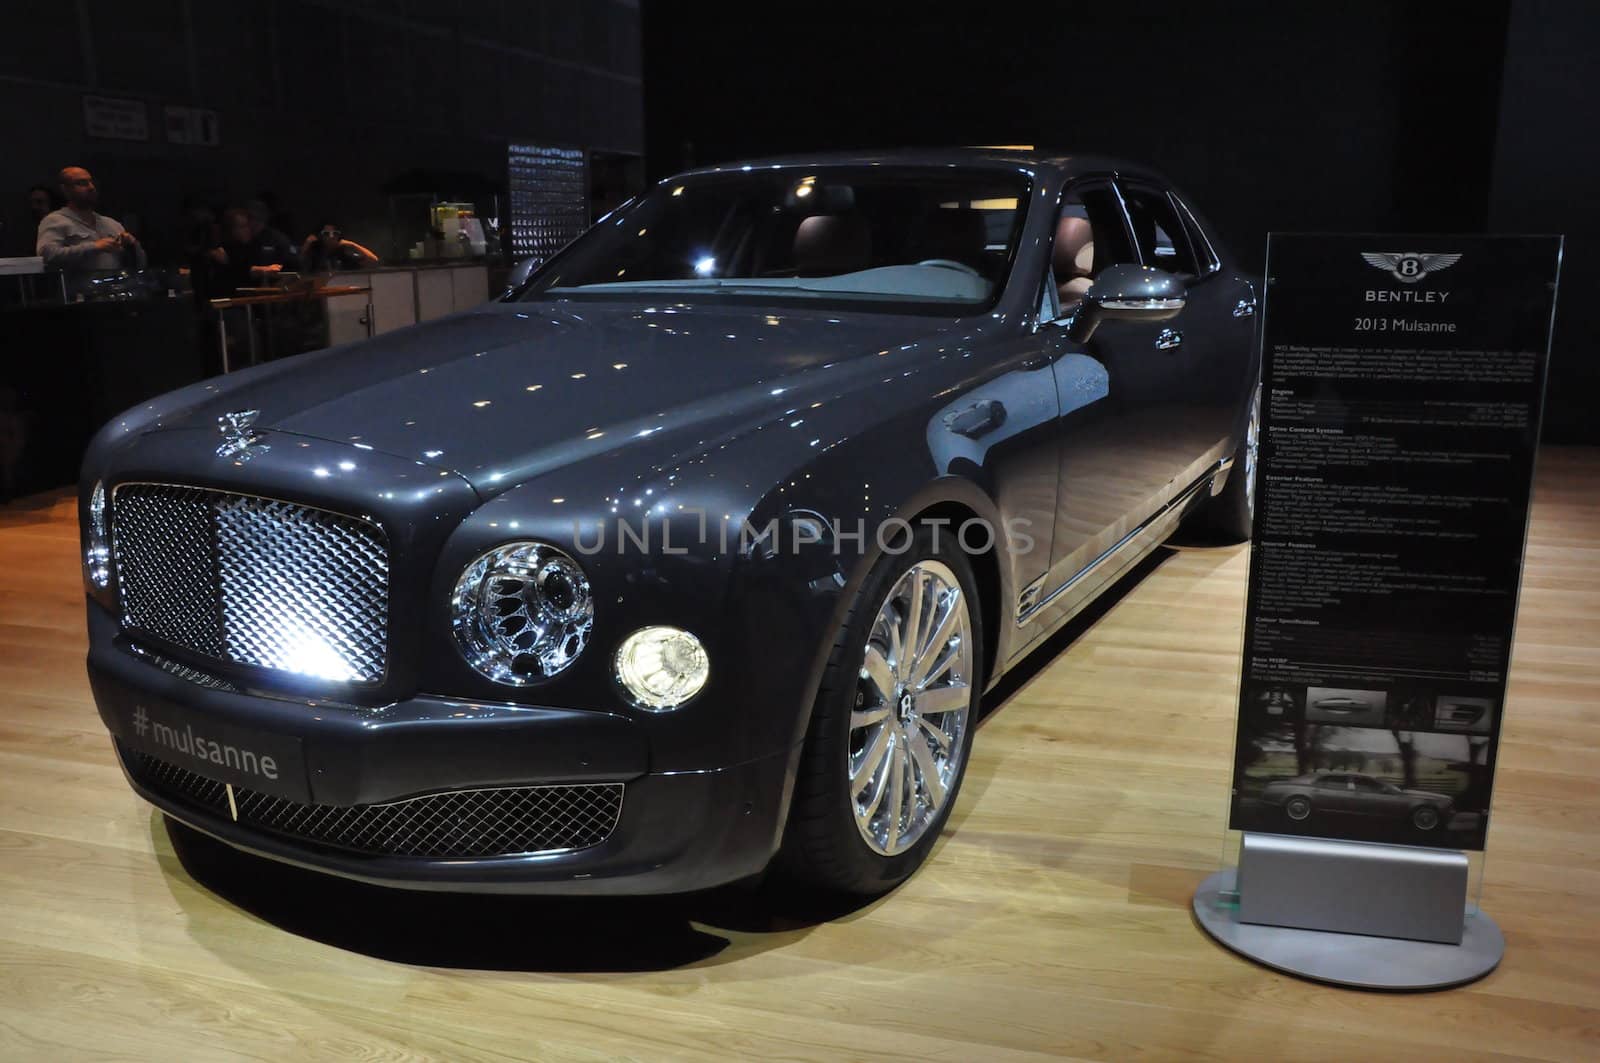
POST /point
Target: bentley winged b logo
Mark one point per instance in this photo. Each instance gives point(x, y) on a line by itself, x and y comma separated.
point(239, 438)
point(1408, 267)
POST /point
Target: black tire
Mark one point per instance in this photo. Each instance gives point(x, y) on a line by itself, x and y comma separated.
point(1425, 817)
point(1298, 808)
point(822, 847)
point(1227, 517)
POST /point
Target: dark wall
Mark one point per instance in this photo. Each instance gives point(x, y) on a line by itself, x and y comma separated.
point(324, 102)
point(1346, 117)
point(1546, 176)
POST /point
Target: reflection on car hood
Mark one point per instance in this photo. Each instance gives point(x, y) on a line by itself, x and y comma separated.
point(510, 389)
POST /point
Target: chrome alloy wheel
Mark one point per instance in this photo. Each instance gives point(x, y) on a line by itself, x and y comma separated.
point(908, 727)
point(1252, 443)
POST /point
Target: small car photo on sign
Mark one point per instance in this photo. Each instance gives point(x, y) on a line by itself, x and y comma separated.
point(1363, 784)
point(1354, 708)
point(1460, 713)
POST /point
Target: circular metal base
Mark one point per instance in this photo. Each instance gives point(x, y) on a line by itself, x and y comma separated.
point(1354, 960)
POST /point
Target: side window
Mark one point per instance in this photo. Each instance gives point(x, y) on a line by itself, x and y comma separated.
point(1205, 255)
point(1159, 232)
point(1090, 235)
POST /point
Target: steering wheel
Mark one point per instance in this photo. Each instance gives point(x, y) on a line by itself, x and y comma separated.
point(950, 263)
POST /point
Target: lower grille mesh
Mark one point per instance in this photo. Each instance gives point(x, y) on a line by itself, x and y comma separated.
point(457, 825)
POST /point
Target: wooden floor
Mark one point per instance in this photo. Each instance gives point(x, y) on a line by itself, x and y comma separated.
point(1053, 919)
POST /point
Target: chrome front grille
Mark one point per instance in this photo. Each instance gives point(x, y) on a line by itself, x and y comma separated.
point(456, 825)
point(252, 580)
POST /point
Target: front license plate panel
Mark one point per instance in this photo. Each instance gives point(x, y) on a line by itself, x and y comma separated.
point(245, 757)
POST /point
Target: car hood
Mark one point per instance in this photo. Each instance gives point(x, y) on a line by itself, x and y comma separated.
point(500, 393)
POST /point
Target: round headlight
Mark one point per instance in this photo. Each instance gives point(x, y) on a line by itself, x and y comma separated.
point(662, 667)
point(522, 612)
point(97, 551)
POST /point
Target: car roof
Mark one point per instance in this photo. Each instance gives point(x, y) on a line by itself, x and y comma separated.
point(1031, 159)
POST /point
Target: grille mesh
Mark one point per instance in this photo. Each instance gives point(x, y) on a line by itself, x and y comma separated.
point(253, 580)
point(458, 825)
point(164, 551)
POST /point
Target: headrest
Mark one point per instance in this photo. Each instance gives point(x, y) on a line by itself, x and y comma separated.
point(1073, 255)
point(826, 244)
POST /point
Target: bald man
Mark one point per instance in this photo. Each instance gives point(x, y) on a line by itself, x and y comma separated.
point(78, 239)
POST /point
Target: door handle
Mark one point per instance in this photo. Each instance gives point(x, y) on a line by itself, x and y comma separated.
point(1244, 308)
point(1169, 339)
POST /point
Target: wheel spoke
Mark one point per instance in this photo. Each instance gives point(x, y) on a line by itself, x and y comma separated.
point(897, 790)
point(939, 737)
point(881, 779)
point(943, 699)
point(876, 668)
point(946, 660)
point(913, 632)
point(871, 759)
point(931, 654)
point(931, 782)
point(867, 717)
point(909, 782)
point(897, 646)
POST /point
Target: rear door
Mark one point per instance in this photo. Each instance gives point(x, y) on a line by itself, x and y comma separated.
point(1209, 345)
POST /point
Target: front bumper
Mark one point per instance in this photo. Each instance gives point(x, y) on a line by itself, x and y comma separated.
point(676, 831)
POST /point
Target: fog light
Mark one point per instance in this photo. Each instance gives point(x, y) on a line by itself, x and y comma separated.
point(662, 667)
point(97, 549)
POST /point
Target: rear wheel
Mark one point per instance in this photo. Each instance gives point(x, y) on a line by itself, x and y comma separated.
point(1425, 817)
point(892, 726)
point(1229, 515)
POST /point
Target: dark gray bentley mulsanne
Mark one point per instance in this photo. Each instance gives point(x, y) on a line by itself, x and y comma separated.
point(689, 557)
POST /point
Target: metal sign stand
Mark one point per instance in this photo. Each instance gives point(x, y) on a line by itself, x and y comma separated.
point(1356, 914)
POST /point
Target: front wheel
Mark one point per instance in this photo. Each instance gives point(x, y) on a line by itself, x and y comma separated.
point(1297, 809)
point(892, 726)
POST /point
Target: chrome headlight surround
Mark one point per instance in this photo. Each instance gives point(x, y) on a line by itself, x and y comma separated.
point(97, 544)
point(522, 612)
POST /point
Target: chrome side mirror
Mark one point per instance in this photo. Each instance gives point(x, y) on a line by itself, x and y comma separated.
point(1128, 293)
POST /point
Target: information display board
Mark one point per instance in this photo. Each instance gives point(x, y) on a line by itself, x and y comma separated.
point(1402, 383)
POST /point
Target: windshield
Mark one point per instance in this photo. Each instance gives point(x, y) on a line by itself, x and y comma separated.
point(907, 239)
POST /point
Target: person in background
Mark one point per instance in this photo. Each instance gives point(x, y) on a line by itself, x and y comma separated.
point(18, 241)
point(277, 217)
point(234, 262)
point(41, 201)
point(269, 247)
point(78, 239)
point(200, 234)
point(327, 250)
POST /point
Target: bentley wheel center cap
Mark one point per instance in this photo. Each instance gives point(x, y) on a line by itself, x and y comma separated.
point(905, 705)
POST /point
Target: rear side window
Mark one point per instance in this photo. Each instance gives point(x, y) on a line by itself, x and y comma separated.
point(1162, 240)
point(1205, 255)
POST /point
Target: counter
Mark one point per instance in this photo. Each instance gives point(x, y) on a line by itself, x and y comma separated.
point(405, 295)
point(68, 369)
